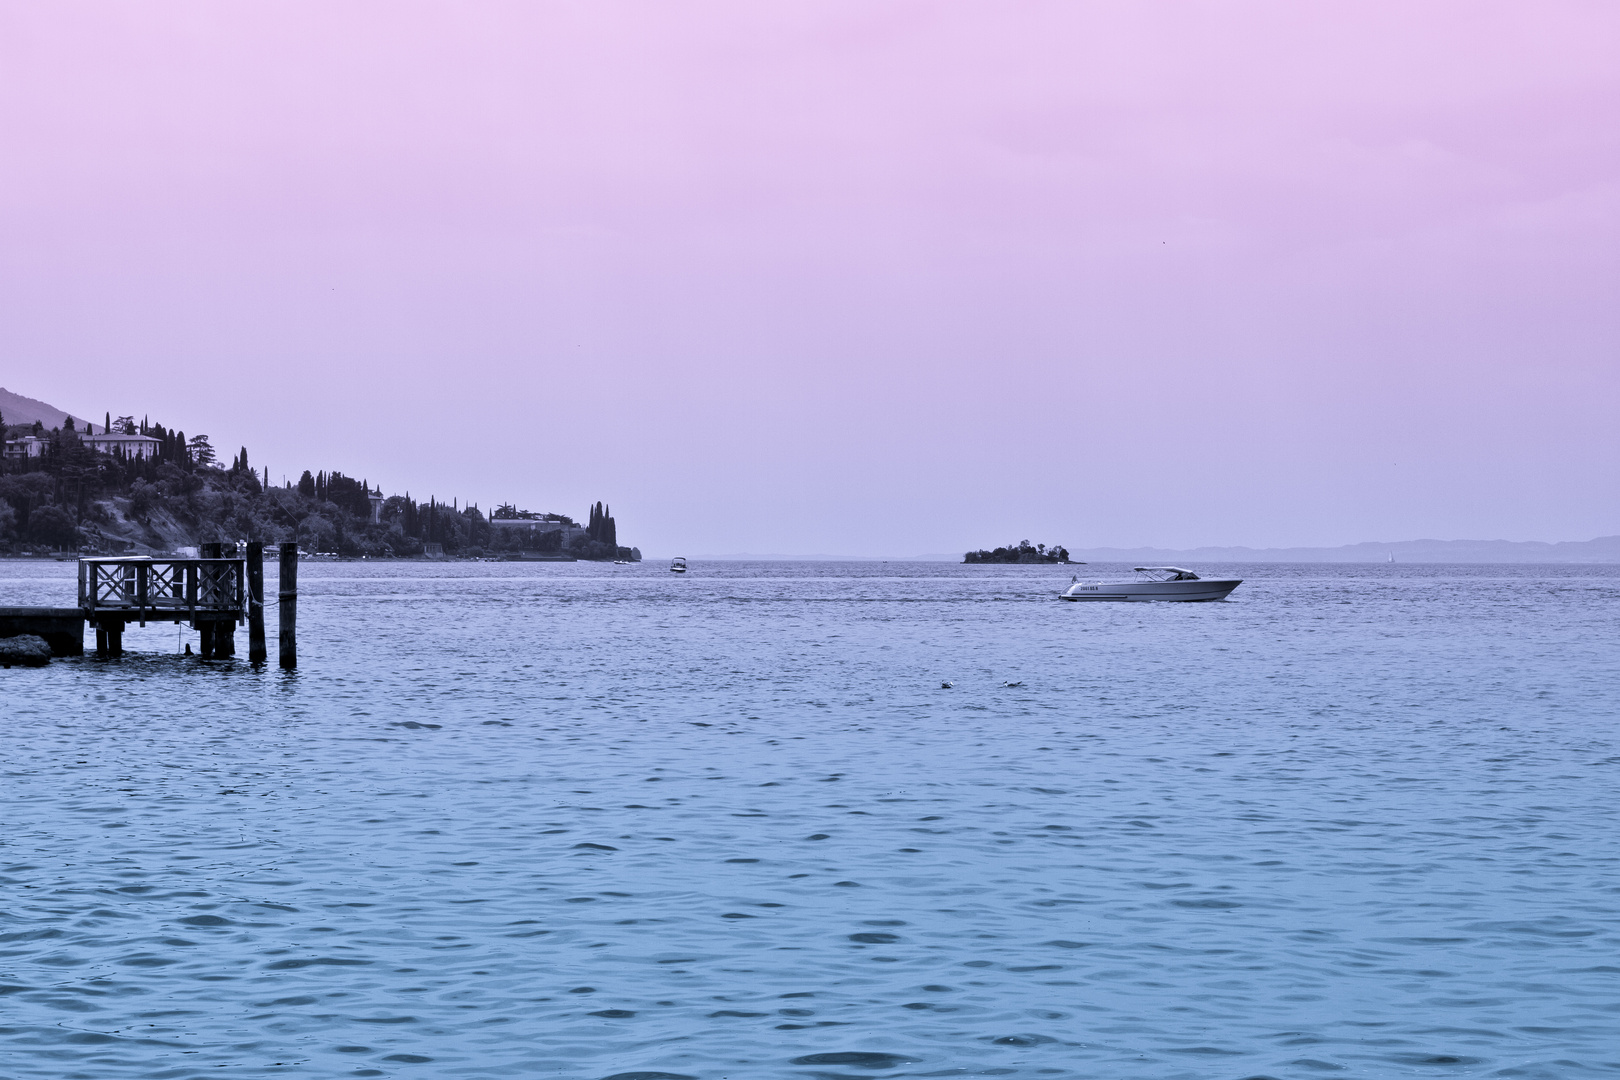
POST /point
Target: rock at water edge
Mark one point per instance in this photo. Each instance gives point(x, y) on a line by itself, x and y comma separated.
point(24, 650)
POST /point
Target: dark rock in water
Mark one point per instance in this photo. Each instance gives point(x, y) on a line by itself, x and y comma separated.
point(24, 650)
point(855, 1057)
point(1023, 1040)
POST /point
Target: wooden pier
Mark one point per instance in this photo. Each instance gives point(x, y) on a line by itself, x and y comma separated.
point(214, 594)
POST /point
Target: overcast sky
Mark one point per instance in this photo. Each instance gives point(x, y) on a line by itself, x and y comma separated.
point(879, 278)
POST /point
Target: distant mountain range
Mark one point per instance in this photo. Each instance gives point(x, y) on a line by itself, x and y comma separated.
point(17, 409)
point(1605, 549)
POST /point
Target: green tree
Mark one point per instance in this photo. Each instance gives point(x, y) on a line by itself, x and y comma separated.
point(53, 525)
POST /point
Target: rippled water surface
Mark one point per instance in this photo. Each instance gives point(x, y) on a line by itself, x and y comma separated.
point(592, 821)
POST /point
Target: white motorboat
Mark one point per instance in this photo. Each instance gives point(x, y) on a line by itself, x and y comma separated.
point(1154, 583)
point(677, 565)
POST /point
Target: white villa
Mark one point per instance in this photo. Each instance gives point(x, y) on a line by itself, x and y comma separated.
point(132, 446)
point(28, 446)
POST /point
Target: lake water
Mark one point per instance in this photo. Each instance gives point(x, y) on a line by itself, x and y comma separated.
point(590, 821)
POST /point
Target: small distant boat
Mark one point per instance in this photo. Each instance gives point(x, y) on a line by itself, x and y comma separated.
point(1154, 583)
point(677, 565)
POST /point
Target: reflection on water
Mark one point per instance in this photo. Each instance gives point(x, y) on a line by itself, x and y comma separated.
point(590, 821)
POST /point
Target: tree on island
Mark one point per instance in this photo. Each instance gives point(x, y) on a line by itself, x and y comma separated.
point(601, 528)
point(1021, 552)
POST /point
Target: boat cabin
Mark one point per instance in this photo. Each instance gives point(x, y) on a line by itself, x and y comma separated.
point(1167, 573)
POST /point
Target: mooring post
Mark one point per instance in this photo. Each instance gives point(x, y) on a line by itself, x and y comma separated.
point(255, 599)
point(288, 613)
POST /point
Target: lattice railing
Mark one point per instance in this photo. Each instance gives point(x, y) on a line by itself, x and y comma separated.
point(212, 585)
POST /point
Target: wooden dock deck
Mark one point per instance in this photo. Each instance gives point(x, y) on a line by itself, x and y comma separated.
point(214, 594)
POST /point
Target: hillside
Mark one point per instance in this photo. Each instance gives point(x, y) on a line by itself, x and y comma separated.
point(62, 493)
point(17, 409)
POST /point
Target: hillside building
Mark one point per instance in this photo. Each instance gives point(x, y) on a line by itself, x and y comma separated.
point(29, 446)
point(132, 446)
point(531, 529)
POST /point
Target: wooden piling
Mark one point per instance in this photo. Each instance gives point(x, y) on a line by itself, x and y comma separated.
point(287, 616)
point(255, 585)
point(225, 639)
point(115, 639)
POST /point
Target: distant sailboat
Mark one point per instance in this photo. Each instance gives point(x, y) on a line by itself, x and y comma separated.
point(1392, 557)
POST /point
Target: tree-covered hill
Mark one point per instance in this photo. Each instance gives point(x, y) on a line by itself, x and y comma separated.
point(59, 494)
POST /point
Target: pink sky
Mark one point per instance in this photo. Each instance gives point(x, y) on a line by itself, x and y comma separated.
point(844, 277)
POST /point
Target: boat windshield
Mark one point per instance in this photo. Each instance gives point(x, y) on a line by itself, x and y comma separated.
point(1167, 573)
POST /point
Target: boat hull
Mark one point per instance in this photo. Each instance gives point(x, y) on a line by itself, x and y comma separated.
point(1202, 590)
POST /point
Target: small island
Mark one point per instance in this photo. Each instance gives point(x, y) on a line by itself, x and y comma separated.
point(1022, 552)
